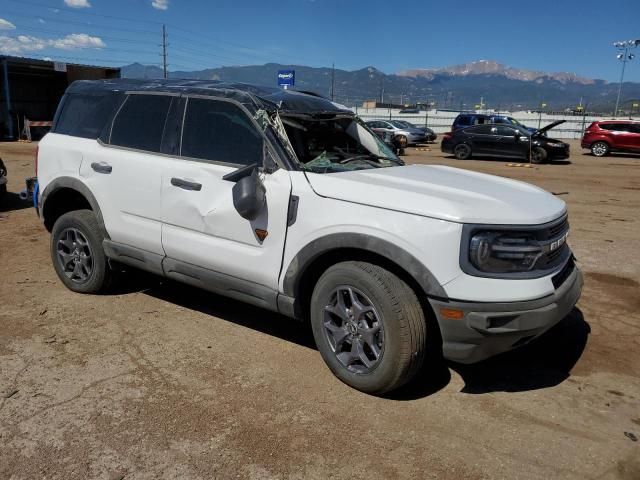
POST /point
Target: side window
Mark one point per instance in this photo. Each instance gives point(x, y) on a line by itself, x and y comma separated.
point(635, 128)
point(480, 130)
point(479, 121)
point(220, 131)
point(464, 120)
point(505, 131)
point(140, 122)
point(84, 115)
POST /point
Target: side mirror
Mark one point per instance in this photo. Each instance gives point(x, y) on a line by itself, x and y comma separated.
point(249, 193)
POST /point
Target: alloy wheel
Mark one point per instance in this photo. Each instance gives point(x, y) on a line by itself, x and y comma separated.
point(74, 255)
point(354, 329)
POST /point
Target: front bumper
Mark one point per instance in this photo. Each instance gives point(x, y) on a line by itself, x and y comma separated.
point(487, 329)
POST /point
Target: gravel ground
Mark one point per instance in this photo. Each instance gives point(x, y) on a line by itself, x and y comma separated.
point(158, 380)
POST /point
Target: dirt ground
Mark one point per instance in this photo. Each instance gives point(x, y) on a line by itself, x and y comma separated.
point(157, 380)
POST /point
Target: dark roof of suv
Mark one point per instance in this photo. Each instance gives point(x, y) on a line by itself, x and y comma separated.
point(269, 98)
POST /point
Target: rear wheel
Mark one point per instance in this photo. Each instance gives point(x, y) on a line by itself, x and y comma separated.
point(538, 155)
point(600, 149)
point(462, 151)
point(77, 253)
point(369, 326)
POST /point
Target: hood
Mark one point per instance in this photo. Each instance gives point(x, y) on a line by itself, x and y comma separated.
point(442, 192)
point(543, 130)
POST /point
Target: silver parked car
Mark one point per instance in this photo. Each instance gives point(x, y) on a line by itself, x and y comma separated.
point(403, 134)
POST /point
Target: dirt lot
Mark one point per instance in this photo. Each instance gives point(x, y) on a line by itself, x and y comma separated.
point(162, 381)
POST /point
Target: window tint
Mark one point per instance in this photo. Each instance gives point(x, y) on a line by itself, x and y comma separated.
point(479, 120)
point(85, 115)
point(635, 128)
point(464, 120)
point(505, 131)
point(615, 127)
point(140, 122)
point(220, 131)
point(480, 130)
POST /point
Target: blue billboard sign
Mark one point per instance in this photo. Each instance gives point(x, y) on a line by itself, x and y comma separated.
point(286, 78)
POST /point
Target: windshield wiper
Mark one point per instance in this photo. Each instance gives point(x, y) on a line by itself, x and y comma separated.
point(371, 155)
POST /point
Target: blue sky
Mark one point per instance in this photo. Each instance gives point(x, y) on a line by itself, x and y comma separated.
point(561, 35)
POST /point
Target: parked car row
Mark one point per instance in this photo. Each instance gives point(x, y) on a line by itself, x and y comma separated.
point(404, 133)
point(501, 136)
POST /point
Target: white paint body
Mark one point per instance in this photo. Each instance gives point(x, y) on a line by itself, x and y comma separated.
point(421, 209)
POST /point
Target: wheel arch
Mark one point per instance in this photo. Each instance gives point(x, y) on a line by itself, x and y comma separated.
point(66, 194)
point(307, 266)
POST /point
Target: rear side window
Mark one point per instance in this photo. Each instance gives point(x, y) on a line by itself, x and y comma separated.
point(464, 120)
point(140, 122)
point(480, 130)
point(84, 116)
point(615, 127)
point(635, 128)
point(220, 131)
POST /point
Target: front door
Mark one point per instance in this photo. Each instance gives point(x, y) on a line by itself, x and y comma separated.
point(508, 144)
point(203, 235)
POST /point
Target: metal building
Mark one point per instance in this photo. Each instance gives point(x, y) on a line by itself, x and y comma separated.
point(31, 89)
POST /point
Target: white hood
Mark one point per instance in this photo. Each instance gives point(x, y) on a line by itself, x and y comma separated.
point(442, 192)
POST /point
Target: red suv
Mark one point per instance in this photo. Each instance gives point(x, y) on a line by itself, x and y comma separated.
point(612, 136)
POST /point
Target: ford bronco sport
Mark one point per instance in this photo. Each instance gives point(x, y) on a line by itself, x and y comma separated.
point(288, 201)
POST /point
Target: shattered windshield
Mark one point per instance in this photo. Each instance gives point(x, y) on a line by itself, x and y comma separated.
point(336, 145)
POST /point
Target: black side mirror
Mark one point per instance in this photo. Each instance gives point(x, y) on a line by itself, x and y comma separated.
point(249, 194)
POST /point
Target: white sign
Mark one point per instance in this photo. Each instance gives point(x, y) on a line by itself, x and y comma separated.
point(60, 66)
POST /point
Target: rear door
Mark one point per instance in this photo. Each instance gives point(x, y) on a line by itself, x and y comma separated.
point(482, 139)
point(634, 136)
point(123, 170)
point(204, 237)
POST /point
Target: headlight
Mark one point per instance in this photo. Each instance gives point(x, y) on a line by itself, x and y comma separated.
point(555, 145)
point(504, 252)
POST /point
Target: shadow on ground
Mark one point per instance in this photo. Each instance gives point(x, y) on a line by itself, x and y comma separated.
point(543, 363)
point(11, 201)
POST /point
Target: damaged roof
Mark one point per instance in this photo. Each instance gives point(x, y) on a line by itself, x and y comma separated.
point(268, 98)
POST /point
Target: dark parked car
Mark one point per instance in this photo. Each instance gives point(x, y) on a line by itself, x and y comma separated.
point(430, 134)
point(3, 179)
point(612, 136)
point(467, 119)
point(505, 141)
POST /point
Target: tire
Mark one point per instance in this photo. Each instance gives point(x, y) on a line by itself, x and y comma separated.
point(390, 336)
point(462, 151)
point(77, 253)
point(3, 190)
point(538, 155)
point(600, 149)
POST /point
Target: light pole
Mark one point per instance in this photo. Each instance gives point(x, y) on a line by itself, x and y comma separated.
point(624, 56)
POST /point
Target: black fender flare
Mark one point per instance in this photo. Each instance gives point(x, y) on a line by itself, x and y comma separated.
point(310, 252)
point(74, 184)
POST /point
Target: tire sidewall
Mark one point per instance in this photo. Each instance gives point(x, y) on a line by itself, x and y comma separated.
point(78, 220)
point(543, 155)
point(387, 369)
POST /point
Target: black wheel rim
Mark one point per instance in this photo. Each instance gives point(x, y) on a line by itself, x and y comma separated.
point(74, 255)
point(537, 156)
point(353, 329)
point(461, 150)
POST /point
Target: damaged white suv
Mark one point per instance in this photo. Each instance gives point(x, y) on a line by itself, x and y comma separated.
point(288, 201)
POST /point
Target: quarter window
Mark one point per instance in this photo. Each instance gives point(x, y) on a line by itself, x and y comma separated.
point(84, 116)
point(220, 131)
point(140, 122)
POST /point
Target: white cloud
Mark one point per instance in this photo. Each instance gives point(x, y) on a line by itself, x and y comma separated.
point(6, 24)
point(77, 3)
point(26, 43)
point(160, 4)
point(41, 20)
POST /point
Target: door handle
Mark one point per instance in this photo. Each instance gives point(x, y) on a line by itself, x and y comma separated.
point(101, 167)
point(186, 184)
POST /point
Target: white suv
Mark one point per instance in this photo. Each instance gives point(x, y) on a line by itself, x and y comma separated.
point(287, 201)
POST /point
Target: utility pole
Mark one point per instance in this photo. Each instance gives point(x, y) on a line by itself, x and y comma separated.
point(164, 50)
point(624, 56)
point(333, 79)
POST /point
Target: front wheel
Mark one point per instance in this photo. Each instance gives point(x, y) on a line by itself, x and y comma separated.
point(369, 326)
point(77, 253)
point(600, 149)
point(538, 155)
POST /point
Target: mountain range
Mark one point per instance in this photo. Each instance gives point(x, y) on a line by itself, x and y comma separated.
point(460, 86)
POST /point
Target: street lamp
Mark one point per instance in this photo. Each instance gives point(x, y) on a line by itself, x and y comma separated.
point(624, 56)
